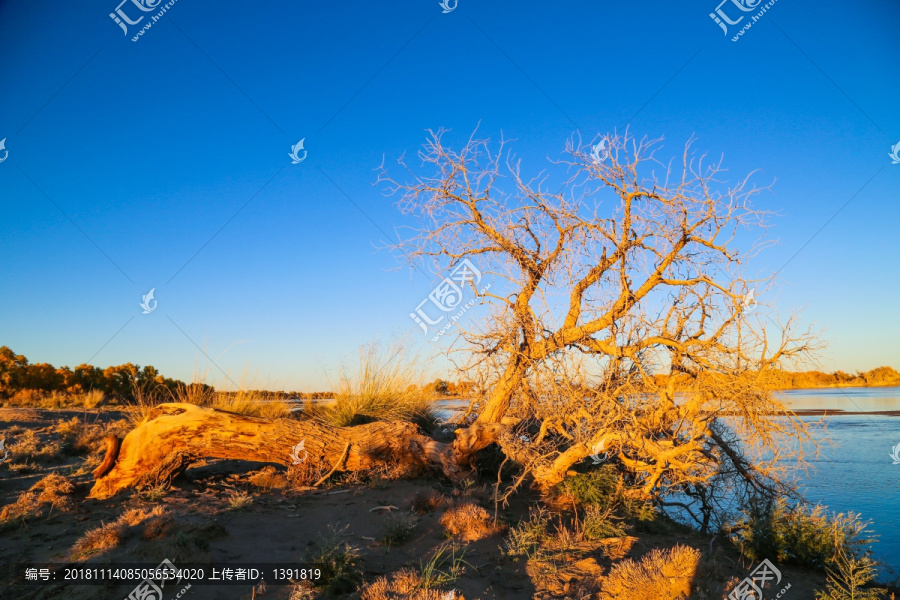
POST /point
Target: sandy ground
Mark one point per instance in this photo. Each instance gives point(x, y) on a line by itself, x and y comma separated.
point(284, 525)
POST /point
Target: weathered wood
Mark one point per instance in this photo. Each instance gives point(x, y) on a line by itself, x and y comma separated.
point(175, 435)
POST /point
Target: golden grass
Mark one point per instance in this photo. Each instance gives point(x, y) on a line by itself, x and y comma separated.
point(468, 522)
point(405, 584)
point(268, 478)
point(239, 501)
point(54, 491)
point(385, 387)
point(110, 535)
point(252, 403)
point(658, 575)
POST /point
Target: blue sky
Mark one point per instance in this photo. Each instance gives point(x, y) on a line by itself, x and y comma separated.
point(163, 163)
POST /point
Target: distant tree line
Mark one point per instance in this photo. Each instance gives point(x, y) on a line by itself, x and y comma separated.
point(17, 374)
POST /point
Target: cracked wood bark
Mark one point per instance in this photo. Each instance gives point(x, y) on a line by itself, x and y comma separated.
point(175, 435)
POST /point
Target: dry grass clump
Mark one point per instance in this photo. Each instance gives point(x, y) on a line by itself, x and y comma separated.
point(658, 575)
point(385, 387)
point(468, 522)
point(252, 404)
point(425, 502)
point(25, 507)
point(98, 540)
point(239, 501)
point(306, 473)
point(405, 584)
point(54, 491)
point(110, 535)
point(82, 438)
point(28, 446)
point(268, 478)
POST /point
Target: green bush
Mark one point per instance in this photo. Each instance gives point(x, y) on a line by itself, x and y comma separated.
point(599, 488)
point(599, 524)
point(525, 539)
point(802, 535)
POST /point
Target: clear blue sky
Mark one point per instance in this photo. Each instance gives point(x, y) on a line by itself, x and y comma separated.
point(130, 162)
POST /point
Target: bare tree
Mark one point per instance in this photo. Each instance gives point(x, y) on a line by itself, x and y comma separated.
point(622, 316)
point(621, 324)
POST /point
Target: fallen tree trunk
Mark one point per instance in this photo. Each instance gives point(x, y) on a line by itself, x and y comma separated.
point(175, 435)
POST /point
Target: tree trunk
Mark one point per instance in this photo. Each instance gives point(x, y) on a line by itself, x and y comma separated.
point(175, 435)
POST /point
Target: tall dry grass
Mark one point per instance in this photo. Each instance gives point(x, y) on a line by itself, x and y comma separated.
point(385, 386)
point(252, 403)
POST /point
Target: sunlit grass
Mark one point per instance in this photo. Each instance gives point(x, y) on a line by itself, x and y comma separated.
point(386, 386)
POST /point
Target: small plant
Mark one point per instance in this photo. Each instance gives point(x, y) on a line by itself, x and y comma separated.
point(239, 501)
point(846, 578)
point(599, 524)
point(526, 538)
point(339, 562)
point(268, 479)
point(444, 567)
point(397, 528)
point(155, 493)
point(468, 522)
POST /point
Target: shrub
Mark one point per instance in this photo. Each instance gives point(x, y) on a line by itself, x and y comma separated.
point(802, 535)
point(239, 500)
point(397, 528)
point(525, 539)
point(599, 524)
point(468, 522)
point(847, 577)
point(601, 487)
point(339, 562)
point(658, 575)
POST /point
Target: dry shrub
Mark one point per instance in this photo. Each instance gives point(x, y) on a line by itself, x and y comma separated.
point(109, 536)
point(29, 446)
point(658, 575)
point(251, 403)
point(268, 478)
point(405, 584)
point(55, 491)
point(25, 507)
point(468, 522)
point(305, 474)
point(103, 538)
point(425, 502)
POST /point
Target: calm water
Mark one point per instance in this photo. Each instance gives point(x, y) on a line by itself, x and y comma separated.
point(854, 470)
